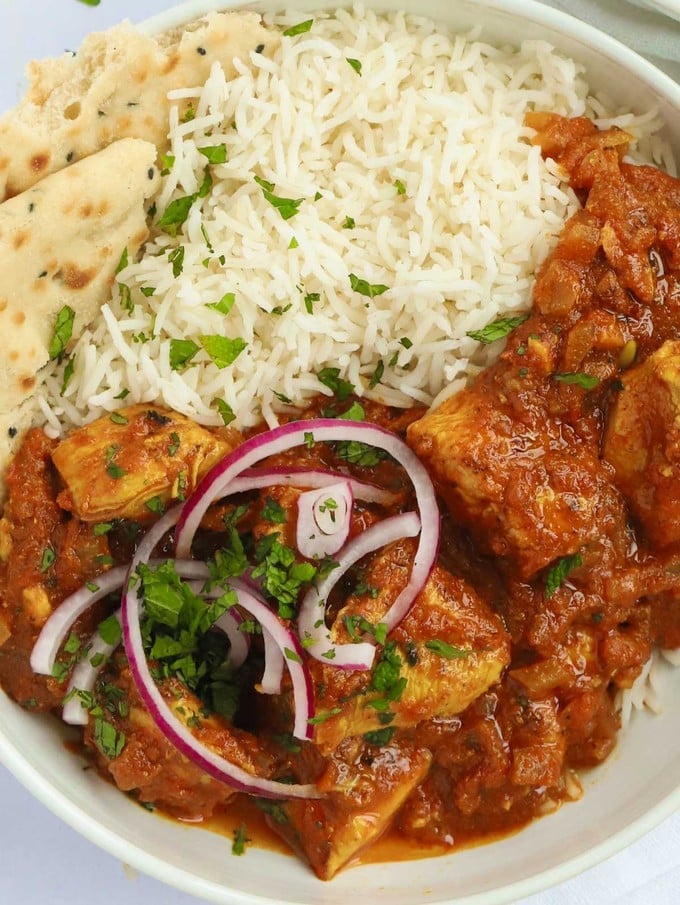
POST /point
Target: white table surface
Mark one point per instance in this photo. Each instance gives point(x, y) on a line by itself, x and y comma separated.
point(43, 860)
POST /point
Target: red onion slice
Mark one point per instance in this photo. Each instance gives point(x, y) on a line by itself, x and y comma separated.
point(311, 617)
point(324, 518)
point(273, 666)
point(55, 631)
point(256, 479)
point(321, 430)
point(176, 732)
point(84, 677)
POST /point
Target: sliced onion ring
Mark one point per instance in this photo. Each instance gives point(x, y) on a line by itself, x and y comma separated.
point(175, 730)
point(311, 617)
point(85, 675)
point(320, 430)
point(324, 519)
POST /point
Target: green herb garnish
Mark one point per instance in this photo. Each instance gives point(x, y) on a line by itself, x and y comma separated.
point(370, 290)
point(299, 29)
point(63, 330)
point(497, 329)
point(558, 573)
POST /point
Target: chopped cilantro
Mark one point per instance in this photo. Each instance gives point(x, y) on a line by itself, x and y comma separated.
point(585, 381)
point(400, 187)
point(299, 29)
point(63, 330)
point(174, 444)
point(274, 512)
point(102, 528)
point(117, 418)
point(355, 64)
point(349, 223)
point(222, 350)
point(380, 736)
point(370, 290)
point(238, 846)
point(107, 738)
point(377, 375)
point(323, 716)
point(226, 411)
point(287, 207)
point(47, 559)
point(176, 258)
point(214, 153)
point(156, 505)
point(175, 214)
point(68, 374)
point(310, 298)
point(283, 398)
point(225, 304)
point(123, 263)
point(282, 575)
point(110, 630)
point(181, 353)
point(330, 377)
point(446, 650)
point(558, 573)
point(497, 329)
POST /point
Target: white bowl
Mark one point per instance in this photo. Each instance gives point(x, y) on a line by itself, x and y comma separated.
point(626, 797)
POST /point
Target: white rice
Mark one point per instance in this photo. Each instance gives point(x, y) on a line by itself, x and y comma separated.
point(439, 113)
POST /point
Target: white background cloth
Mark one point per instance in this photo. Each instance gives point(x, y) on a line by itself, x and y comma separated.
point(43, 860)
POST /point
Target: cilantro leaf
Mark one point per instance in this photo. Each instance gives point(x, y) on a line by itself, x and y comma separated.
point(222, 350)
point(497, 329)
point(287, 207)
point(330, 377)
point(181, 353)
point(63, 330)
point(380, 737)
point(370, 290)
point(225, 304)
point(214, 153)
point(299, 29)
point(446, 650)
point(558, 573)
point(585, 381)
point(355, 64)
point(226, 411)
point(175, 214)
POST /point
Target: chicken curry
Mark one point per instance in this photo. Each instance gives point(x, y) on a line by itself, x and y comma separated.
point(556, 573)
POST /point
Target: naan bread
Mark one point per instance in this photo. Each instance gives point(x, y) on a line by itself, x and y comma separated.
point(115, 87)
point(60, 244)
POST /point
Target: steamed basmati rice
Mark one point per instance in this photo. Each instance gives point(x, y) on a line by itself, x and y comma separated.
point(406, 146)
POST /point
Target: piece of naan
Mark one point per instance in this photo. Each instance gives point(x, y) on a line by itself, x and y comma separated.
point(60, 244)
point(114, 87)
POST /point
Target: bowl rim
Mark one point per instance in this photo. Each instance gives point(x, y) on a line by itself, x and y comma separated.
point(155, 866)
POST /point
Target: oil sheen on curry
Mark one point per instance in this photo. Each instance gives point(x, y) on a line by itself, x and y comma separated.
point(373, 621)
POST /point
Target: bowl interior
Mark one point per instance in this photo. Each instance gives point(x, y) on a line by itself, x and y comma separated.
point(636, 788)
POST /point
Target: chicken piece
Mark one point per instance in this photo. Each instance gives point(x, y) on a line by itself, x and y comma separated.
point(642, 442)
point(133, 462)
point(447, 651)
point(364, 787)
point(132, 750)
point(524, 492)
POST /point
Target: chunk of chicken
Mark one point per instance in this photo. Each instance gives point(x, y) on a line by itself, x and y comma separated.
point(447, 651)
point(133, 751)
point(363, 788)
point(642, 442)
point(131, 463)
point(523, 492)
